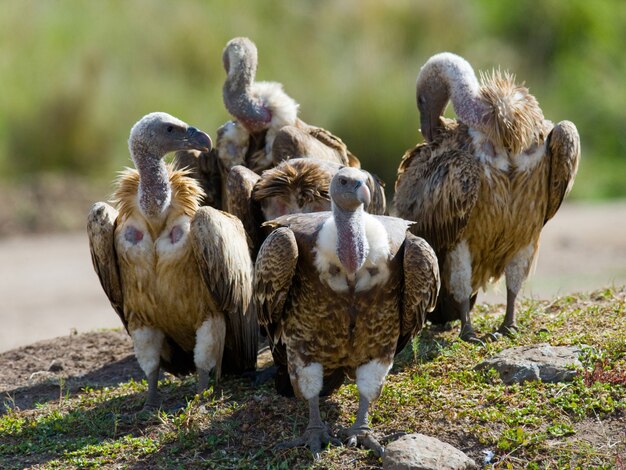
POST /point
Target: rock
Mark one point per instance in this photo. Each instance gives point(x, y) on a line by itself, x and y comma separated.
point(421, 452)
point(43, 377)
point(537, 362)
point(56, 365)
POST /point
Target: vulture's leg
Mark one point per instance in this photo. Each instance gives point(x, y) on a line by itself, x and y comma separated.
point(458, 279)
point(309, 380)
point(516, 273)
point(467, 330)
point(369, 380)
point(207, 353)
point(147, 342)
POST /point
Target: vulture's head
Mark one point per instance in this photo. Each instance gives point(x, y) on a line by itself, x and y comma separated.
point(443, 77)
point(240, 62)
point(157, 134)
point(348, 189)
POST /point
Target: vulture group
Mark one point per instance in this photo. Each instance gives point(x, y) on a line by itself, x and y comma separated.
point(276, 234)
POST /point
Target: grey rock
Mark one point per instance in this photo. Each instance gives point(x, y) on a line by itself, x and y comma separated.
point(421, 452)
point(43, 377)
point(537, 362)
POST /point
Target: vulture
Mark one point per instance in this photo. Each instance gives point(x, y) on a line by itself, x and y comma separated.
point(482, 187)
point(340, 290)
point(179, 276)
point(261, 110)
point(296, 185)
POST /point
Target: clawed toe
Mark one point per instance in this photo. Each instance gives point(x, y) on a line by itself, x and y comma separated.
point(470, 337)
point(315, 438)
point(492, 337)
point(509, 330)
point(362, 436)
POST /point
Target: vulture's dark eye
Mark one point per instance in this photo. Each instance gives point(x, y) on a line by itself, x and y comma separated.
point(343, 181)
point(170, 128)
point(421, 99)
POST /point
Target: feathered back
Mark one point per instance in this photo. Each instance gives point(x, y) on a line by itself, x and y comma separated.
point(514, 117)
point(186, 193)
point(311, 181)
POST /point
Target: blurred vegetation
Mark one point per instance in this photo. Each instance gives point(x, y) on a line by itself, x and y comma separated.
point(76, 75)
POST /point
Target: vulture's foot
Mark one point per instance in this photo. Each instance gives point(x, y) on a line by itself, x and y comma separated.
point(492, 337)
point(469, 335)
point(362, 435)
point(315, 438)
point(508, 330)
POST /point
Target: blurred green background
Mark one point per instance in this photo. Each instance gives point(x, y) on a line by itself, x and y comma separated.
point(76, 75)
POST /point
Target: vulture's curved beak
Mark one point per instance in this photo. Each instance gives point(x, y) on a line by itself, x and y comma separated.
point(426, 124)
point(363, 193)
point(198, 140)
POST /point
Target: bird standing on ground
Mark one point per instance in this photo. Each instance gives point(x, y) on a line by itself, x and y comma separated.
point(340, 290)
point(179, 276)
point(482, 187)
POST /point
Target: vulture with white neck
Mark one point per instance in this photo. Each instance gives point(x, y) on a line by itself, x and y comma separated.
point(179, 276)
point(261, 110)
point(482, 186)
point(296, 185)
point(339, 291)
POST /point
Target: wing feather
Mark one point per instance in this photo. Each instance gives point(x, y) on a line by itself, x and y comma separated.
point(221, 250)
point(273, 272)
point(564, 151)
point(240, 183)
point(421, 286)
point(437, 187)
point(101, 223)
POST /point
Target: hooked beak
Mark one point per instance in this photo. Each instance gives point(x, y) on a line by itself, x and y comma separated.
point(426, 124)
point(363, 193)
point(198, 140)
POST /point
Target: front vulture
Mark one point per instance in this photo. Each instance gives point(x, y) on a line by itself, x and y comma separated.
point(261, 110)
point(296, 185)
point(482, 187)
point(179, 276)
point(340, 290)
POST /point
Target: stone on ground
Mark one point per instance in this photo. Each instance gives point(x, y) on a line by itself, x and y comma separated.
point(536, 362)
point(421, 452)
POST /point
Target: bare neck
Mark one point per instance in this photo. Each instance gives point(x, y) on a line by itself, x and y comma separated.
point(462, 88)
point(237, 91)
point(352, 245)
point(154, 184)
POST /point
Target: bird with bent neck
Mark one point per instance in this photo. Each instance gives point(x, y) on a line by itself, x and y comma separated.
point(338, 293)
point(482, 187)
point(179, 276)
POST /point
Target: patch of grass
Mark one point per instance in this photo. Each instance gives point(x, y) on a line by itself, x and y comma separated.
point(432, 389)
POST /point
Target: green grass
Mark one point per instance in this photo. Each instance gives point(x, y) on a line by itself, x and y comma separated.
point(432, 389)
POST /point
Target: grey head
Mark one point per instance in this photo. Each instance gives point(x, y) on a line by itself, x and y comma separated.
point(348, 190)
point(157, 134)
point(240, 59)
point(446, 76)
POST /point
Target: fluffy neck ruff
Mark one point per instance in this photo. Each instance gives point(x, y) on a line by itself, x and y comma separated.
point(352, 244)
point(154, 191)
